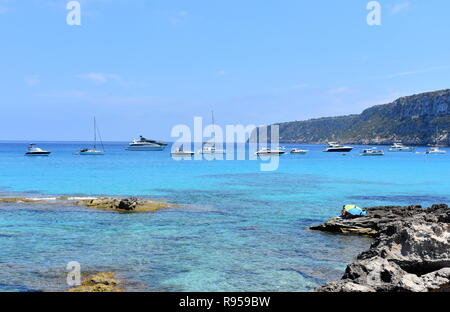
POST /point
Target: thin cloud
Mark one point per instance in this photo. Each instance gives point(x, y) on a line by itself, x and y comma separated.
point(416, 72)
point(71, 94)
point(32, 81)
point(340, 90)
point(400, 7)
point(102, 78)
point(178, 17)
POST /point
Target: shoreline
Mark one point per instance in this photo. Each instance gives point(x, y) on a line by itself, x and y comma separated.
point(410, 252)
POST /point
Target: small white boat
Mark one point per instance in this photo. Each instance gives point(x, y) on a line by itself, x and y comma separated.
point(271, 152)
point(399, 147)
point(372, 152)
point(33, 150)
point(93, 151)
point(299, 151)
point(211, 150)
point(334, 147)
point(435, 150)
point(180, 152)
point(146, 145)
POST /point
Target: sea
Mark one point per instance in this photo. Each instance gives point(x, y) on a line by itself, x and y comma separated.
point(234, 228)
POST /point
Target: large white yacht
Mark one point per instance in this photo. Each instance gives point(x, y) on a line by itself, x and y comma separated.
point(334, 147)
point(272, 152)
point(399, 147)
point(33, 150)
point(144, 144)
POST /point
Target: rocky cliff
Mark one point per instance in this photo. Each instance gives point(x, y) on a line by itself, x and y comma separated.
point(421, 119)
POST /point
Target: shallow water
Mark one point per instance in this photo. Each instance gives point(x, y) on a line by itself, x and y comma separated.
point(240, 229)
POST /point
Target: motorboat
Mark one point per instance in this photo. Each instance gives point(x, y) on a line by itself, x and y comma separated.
point(334, 147)
point(144, 144)
point(211, 149)
point(271, 152)
point(299, 151)
point(372, 152)
point(399, 147)
point(33, 150)
point(435, 150)
point(93, 151)
point(180, 152)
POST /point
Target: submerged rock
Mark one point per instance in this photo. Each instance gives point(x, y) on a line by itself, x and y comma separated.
point(100, 282)
point(411, 251)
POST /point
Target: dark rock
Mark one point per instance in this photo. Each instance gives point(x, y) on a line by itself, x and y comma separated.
point(411, 251)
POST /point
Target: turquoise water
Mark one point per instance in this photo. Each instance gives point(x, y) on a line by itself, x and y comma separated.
point(239, 229)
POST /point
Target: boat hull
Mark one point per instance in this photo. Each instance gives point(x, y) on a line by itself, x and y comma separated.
point(37, 154)
point(339, 150)
point(184, 154)
point(91, 153)
point(145, 148)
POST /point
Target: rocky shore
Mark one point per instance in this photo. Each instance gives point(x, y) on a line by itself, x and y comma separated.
point(410, 252)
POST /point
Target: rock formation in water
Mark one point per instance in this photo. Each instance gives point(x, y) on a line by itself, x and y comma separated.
point(411, 251)
point(100, 282)
point(422, 119)
point(131, 204)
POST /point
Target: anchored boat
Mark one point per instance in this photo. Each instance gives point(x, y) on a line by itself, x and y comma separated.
point(180, 152)
point(94, 151)
point(399, 147)
point(144, 144)
point(334, 147)
point(272, 152)
point(299, 151)
point(372, 152)
point(33, 150)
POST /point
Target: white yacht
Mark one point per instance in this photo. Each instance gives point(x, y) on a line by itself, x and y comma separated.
point(372, 152)
point(272, 152)
point(299, 151)
point(399, 147)
point(334, 147)
point(146, 145)
point(180, 152)
point(33, 150)
point(93, 151)
point(435, 150)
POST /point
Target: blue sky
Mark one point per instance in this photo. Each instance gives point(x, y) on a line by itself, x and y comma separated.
point(143, 66)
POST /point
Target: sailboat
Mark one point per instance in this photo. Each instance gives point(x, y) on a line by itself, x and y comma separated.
point(436, 149)
point(209, 148)
point(94, 150)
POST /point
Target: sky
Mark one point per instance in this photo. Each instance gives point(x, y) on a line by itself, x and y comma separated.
point(144, 66)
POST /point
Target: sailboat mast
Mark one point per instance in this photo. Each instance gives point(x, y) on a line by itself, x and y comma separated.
point(95, 134)
point(214, 127)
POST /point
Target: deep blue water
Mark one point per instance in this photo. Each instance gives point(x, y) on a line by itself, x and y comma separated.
point(239, 229)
